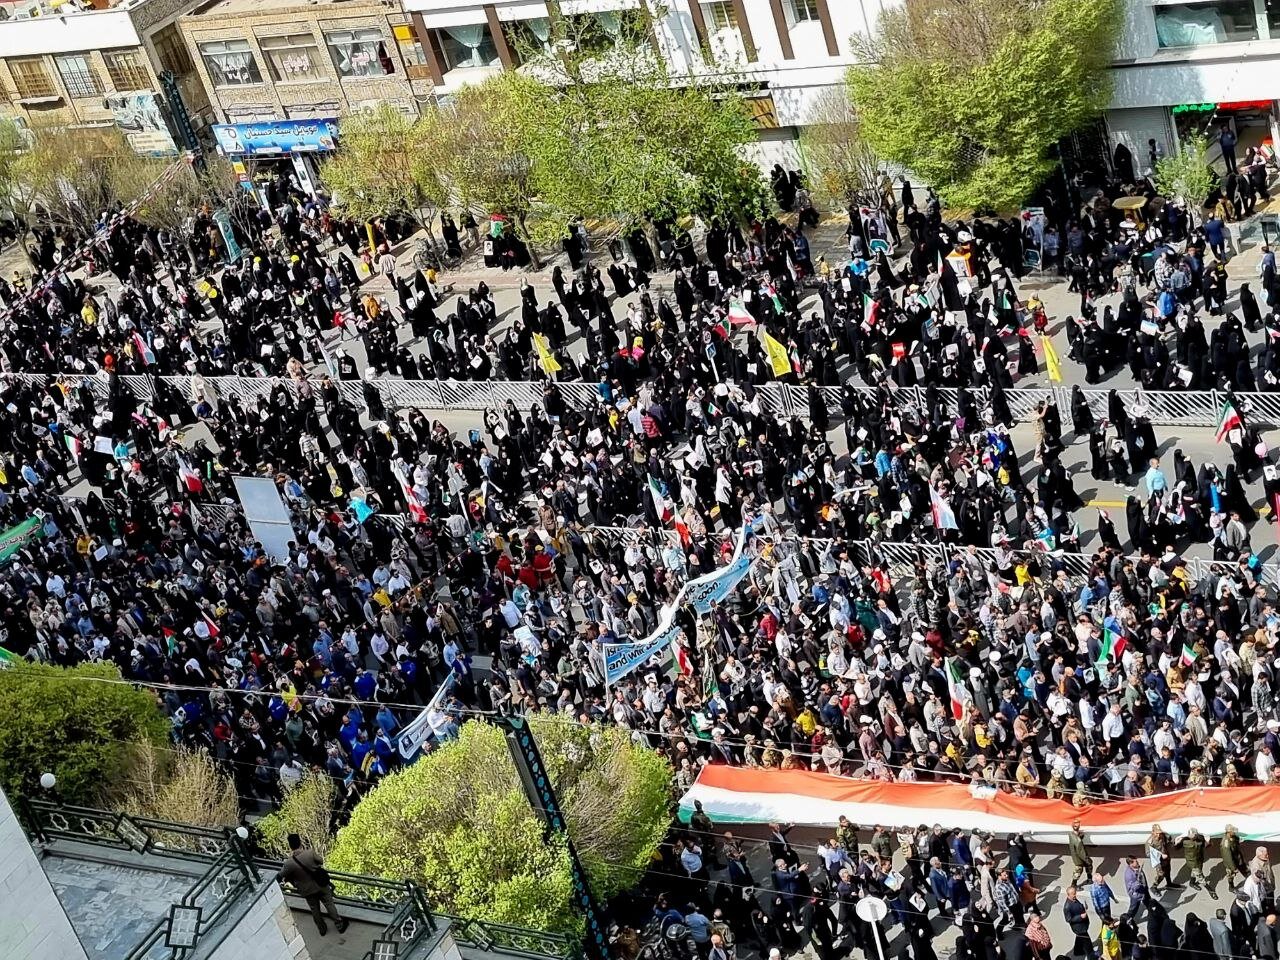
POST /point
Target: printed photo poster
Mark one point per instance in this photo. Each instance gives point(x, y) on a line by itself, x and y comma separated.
point(140, 117)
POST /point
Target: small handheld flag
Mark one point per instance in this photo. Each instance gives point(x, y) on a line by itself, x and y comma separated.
point(1228, 420)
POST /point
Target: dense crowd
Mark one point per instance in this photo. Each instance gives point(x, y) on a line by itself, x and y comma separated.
point(822, 659)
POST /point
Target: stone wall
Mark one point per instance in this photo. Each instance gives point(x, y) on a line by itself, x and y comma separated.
point(265, 932)
point(33, 925)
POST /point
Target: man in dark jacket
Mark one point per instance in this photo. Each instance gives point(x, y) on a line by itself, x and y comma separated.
point(1077, 917)
point(302, 870)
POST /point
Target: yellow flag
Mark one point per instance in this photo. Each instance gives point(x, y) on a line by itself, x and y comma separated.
point(549, 363)
point(1051, 360)
point(778, 358)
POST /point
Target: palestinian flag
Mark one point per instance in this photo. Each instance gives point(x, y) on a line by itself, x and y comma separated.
point(1113, 644)
point(777, 300)
point(659, 494)
point(739, 315)
point(170, 644)
point(870, 311)
point(1228, 420)
point(1188, 657)
point(722, 328)
point(955, 686)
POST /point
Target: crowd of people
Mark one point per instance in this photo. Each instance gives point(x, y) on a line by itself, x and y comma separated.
point(420, 547)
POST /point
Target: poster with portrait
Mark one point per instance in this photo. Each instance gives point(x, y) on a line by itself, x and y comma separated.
point(141, 118)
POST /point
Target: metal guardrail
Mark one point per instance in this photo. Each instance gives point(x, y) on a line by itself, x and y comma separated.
point(209, 900)
point(1189, 408)
point(49, 821)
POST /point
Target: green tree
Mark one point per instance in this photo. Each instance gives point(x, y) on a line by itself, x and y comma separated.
point(72, 723)
point(1186, 175)
point(307, 810)
point(458, 823)
point(972, 95)
point(381, 168)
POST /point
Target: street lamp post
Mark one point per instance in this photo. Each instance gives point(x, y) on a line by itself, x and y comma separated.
point(873, 910)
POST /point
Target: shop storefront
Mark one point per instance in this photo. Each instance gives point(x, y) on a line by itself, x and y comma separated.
point(265, 146)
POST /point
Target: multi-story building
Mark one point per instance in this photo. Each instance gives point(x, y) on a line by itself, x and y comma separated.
point(1184, 66)
point(93, 64)
point(785, 51)
point(278, 73)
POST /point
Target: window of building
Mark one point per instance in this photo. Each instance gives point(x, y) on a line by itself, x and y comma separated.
point(411, 52)
point(126, 71)
point(803, 11)
point(230, 63)
point(720, 15)
point(604, 30)
point(528, 39)
point(469, 45)
point(1194, 25)
point(360, 53)
point(31, 79)
point(1273, 18)
point(292, 56)
point(171, 51)
point(78, 75)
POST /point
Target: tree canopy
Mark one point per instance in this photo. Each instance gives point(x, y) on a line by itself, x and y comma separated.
point(65, 722)
point(382, 167)
point(1186, 175)
point(458, 823)
point(972, 95)
point(583, 131)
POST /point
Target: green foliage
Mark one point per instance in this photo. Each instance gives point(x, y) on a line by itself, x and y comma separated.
point(60, 721)
point(458, 823)
point(972, 96)
point(1186, 175)
point(608, 138)
point(381, 169)
point(307, 810)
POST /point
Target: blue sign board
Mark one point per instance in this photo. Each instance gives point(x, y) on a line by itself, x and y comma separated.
point(276, 137)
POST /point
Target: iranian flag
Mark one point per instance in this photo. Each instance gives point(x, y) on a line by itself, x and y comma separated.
point(659, 494)
point(9, 659)
point(739, 315)
point(1188, 657)
point(944, 518)
point(191, 481)
point(416, 508)
point(1113, 644)
point(73, 444)
point(1229, 420)
point(870, 311)
point(683, 661)
point(955, 686)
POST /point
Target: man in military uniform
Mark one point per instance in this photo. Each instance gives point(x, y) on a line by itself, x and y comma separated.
point(1232, 856)
point(1193, 845)
point(1081, 862)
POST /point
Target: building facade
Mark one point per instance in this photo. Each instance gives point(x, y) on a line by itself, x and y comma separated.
point(273, 60)
point(1191, 66)
point(786, 51)
point(93, 66)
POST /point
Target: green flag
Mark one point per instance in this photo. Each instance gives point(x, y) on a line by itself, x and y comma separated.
point(15, 538)
point(8, 659)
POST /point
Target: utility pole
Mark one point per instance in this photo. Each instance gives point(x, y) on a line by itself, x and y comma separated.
point(542, 795)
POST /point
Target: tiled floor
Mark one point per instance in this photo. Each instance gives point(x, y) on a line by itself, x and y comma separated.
point(352, 945)
point(112, 907)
